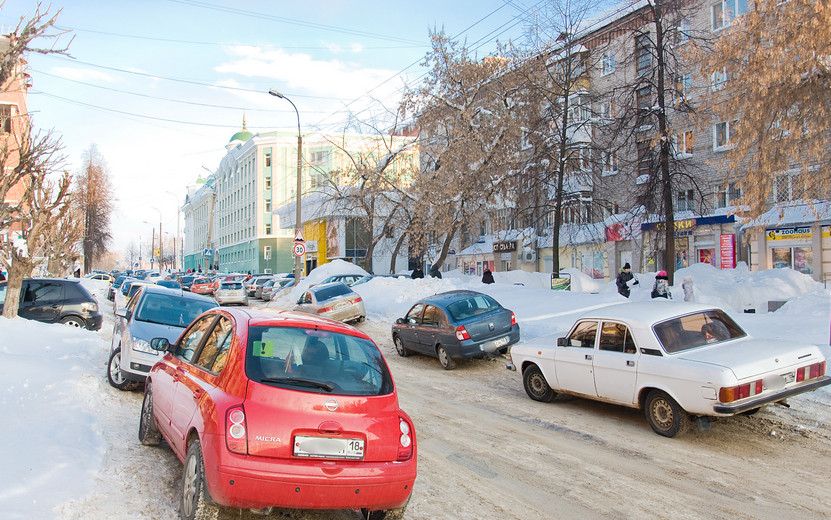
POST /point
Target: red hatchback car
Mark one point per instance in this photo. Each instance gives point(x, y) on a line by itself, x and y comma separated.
point(275, 409)
point(202, 286)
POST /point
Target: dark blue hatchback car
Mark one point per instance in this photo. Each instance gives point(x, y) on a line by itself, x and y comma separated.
point(456, 325)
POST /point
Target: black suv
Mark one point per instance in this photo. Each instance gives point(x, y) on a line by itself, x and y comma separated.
point(56, 300)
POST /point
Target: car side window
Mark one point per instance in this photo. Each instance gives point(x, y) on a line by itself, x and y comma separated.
point(216, 345)
point(42, 292)
point(432, 316)
point(584, 335)
point(133, 303)
point(616, 337)
point(190, 341)
point(414, 316)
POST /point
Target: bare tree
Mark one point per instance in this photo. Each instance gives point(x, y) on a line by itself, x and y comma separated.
point(94, 194)
point(778, 97)
point(40, 26)
point(469, 138)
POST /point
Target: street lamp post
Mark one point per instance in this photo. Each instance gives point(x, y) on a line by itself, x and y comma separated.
point(297, 223)
point(178, 211)
point(161, 250)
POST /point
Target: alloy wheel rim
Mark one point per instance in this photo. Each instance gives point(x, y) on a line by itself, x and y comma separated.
point(189, 491)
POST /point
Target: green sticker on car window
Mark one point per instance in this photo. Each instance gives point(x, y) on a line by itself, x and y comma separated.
point(264, 348)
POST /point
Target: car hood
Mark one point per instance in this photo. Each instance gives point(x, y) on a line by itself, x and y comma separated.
point(147, 331)
point(749, 357)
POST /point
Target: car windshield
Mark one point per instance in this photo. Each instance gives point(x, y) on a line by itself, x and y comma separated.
point(169, 309)
point(471, 306)
point(694, 330)
point(201, 281)
point(313, 360)
point(327, 293)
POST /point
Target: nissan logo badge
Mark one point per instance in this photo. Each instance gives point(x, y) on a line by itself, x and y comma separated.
point(331, 405)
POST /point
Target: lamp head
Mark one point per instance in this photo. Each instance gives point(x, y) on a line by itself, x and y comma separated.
point(275, 92)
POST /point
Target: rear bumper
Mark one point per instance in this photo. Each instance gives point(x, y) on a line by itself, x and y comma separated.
point(94, 321)
point(472, 349)
point(259, 482)
point(732, 409)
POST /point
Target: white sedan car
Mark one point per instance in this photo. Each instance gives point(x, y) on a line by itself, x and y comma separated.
point(673, 360)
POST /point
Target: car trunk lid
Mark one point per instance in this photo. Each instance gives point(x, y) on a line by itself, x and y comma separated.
point(748, 357)
point(277, 417)
point(489, 325)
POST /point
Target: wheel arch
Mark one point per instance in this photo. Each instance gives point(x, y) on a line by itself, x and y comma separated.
point(644, 392)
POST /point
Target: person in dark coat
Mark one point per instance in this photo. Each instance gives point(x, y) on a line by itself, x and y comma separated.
point(417, 273)
point(487, 276)
point(623, 278)
point(661, 287)
point(2, 277)
point(434, 272)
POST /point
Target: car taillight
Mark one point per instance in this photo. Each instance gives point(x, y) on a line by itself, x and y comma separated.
point(461, 333)
point(734, 393)
point(236, 435)
point(90, 306)
point(810, 372)
point(405, 441)
point(513, 319)
point(358, 299)
point(324, 309)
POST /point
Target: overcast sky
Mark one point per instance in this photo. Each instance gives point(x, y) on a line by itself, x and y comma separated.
point(159, 86)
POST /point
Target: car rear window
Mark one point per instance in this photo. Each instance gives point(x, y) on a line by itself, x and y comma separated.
point(169, 309)
point(471, 306)
point(314, 360)
point(695, 330)
point(327, 293)
point(230, 286)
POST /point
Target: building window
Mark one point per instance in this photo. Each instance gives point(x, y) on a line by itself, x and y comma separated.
point(644, 160)
point(268, 229)
point(683, 30)
point(266, 252)
point(267, 160)
point(729, 195)
point(268, 184)
point(684, 201)
point(683, 85)
point(725, 11)
point(718, 79)
point(643, 58)
point(607, 64)
point(787, 187)
point(319, 158)
point(683, 144)
point(268, 206)
point(724, 134)
point(644, 97)
point(606, 111)
point(6, 114)
point(610, 163)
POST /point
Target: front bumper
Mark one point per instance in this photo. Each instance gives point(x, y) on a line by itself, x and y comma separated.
point(732, 409)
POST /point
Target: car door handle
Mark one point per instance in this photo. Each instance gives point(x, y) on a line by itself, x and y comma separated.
point(630, 363)
point(589, 357)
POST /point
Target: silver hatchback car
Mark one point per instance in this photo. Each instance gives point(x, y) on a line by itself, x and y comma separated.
point(335, 301)
point(231, 292)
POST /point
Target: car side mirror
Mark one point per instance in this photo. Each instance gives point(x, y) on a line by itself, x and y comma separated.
point(400, 321)
point(562, 342)
point(160, 344)
point(124, 313)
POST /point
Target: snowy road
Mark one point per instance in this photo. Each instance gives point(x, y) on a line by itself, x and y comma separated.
point(487, 451)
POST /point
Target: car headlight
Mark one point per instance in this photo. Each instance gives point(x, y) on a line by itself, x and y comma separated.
point(90, 306)
point(143, 346)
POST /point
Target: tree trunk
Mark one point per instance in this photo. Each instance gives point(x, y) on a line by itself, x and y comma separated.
point(446, 246)
point(396, 250)
point(17, 272)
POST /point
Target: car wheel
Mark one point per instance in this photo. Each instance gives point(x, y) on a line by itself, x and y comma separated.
point(752, 411)
point(400, 348)
point(665, 416)
point(74, 321)
point(446, 361)
point(196, 501)
point(148, 434)
point(114, 375)
point(536, 386)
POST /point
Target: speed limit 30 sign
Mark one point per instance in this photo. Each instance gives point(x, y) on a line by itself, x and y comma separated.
point(299, 249)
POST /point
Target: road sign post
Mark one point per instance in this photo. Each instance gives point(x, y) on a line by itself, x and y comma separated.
point(299, 249)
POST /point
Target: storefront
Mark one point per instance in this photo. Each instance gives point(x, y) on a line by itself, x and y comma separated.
point(710, 240)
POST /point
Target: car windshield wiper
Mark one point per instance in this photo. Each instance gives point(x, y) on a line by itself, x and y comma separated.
point(305, 382)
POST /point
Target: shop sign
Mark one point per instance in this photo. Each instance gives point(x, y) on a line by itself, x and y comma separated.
point(311, 246)
point(502, 247)
point(561, 282)
point(794, 233)
point(728, 251)
point(682, 228)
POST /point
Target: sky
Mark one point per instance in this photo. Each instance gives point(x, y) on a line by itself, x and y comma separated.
point(59, 448)
point(160, 86)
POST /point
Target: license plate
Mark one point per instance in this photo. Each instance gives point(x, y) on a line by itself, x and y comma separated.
point(501, 341)
point(328, 447)
point(340, 305)
point(789, 377)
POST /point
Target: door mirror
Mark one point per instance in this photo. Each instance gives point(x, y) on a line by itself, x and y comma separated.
point(401, 321)
point(563, 342)
point(160, 344)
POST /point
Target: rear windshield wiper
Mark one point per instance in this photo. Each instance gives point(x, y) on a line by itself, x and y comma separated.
point(292, 380)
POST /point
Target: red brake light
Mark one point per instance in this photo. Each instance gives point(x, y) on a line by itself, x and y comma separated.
point(324, 309)
point(513, 319)
point(405, 441)
point(236, 433)
point(734, 393)
point(461, 333)
point(810, 371)
point(358, 299)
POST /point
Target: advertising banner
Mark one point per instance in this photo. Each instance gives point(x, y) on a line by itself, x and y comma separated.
point(728, 251)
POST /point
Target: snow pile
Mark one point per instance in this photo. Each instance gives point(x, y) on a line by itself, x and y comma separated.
point(323, 272)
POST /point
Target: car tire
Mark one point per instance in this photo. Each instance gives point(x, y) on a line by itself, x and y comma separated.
point(536, 386)
point(114, 375)
point(74, 321)
point(665, 416)
point(446, 361)
point(148, 433)
point(400, 348)
point(196, 501)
